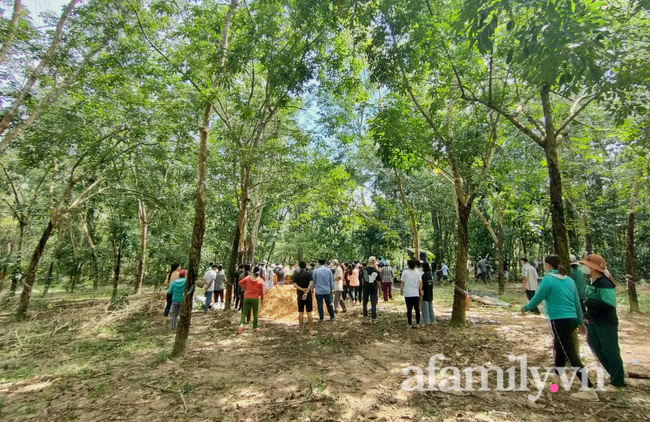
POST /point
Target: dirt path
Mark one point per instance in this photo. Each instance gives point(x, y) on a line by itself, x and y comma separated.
point(84, 364)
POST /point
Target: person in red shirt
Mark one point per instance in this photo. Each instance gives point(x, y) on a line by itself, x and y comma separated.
point(253, 285)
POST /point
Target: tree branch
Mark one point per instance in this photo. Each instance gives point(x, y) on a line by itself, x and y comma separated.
point(575, 110)
point(51, 97)
point(6, 44)
point(144, 33)
point(56, 39)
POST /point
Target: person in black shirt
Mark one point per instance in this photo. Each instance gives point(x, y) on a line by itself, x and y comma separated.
point(428, 318)
point(303, 281)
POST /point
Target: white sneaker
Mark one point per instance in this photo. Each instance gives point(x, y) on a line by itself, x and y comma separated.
point(588, 394)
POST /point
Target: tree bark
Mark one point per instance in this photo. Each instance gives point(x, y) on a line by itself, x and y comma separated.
point(560, 237)
point(116, 272)
point(585, 224)
point(31, 81)
point(460, 298)
point(6, 44)
point(91, 245)
point(185, 318)
point(252, 241)
point(76, 276)
point(142, 218)
point(232, 268)
point(630, 265)
point(48, 279)
point(411, 213)
point(437, 237)
point(31, 271)
point(500, 252)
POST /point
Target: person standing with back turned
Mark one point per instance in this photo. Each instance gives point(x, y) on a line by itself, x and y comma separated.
point(371, 288)
point(323, 286)
point(253, 286)
point(529, 281)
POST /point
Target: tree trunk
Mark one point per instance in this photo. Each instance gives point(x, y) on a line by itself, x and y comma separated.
point(437, 237)
point(460, 298)
point(76, 276)
point(185, 317)
point(301, 251)
point(31, 271)
point(91, 245)
point(560, 237)
point(36, 73)
point(630, 265)
point(500, 252)
point(232, 269)
point(183, 327)
point(585, 224)
point(6, 44)
point(142, 217)
point(116, 272)
point(48, 279)
point(252, 241)
point(412, 217)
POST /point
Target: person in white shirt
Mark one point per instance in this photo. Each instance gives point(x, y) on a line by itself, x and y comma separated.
point(412, 291)
point(338, 286)
point(209, 277)
point(529, 281)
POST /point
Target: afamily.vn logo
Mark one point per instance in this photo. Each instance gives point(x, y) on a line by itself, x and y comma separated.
point(449, 378)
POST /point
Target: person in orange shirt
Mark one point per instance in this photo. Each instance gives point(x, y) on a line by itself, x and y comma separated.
point(253, 285)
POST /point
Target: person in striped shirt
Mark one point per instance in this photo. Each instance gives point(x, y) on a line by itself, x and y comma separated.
point(387, 276)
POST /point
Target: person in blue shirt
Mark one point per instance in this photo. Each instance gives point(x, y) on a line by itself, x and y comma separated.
point(176, 289)
point(323, 287)
point(445, 271)
point(565, 314)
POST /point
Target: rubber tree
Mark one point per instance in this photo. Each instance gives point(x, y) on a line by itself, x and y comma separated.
point(426, 121)
point(556, 54)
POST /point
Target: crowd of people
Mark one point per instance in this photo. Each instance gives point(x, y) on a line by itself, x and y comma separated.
point(332, 285)
point(582, 298)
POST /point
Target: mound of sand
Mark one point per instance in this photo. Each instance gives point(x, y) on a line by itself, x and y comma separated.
point(280, 303)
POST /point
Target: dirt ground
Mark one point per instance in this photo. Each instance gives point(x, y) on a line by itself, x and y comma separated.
point(74, 360)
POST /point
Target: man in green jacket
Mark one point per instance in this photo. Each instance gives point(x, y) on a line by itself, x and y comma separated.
point(176, 289)
point(601, 319)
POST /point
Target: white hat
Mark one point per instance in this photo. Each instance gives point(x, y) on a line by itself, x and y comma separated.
point(387, 262)
point(372, 260)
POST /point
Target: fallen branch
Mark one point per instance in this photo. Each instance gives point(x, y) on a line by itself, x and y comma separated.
point(601, 409)
point(166, 390)
point(184, 404)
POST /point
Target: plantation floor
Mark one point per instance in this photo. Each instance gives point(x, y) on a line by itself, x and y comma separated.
point(75, 361)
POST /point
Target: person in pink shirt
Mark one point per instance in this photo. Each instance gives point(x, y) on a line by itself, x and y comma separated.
point(353, 276)
point(253, 286)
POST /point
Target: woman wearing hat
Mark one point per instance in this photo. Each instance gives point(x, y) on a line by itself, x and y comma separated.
point(601, 319)
point(565, 314)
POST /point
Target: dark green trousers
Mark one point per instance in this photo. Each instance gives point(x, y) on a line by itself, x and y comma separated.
point(603, 341)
